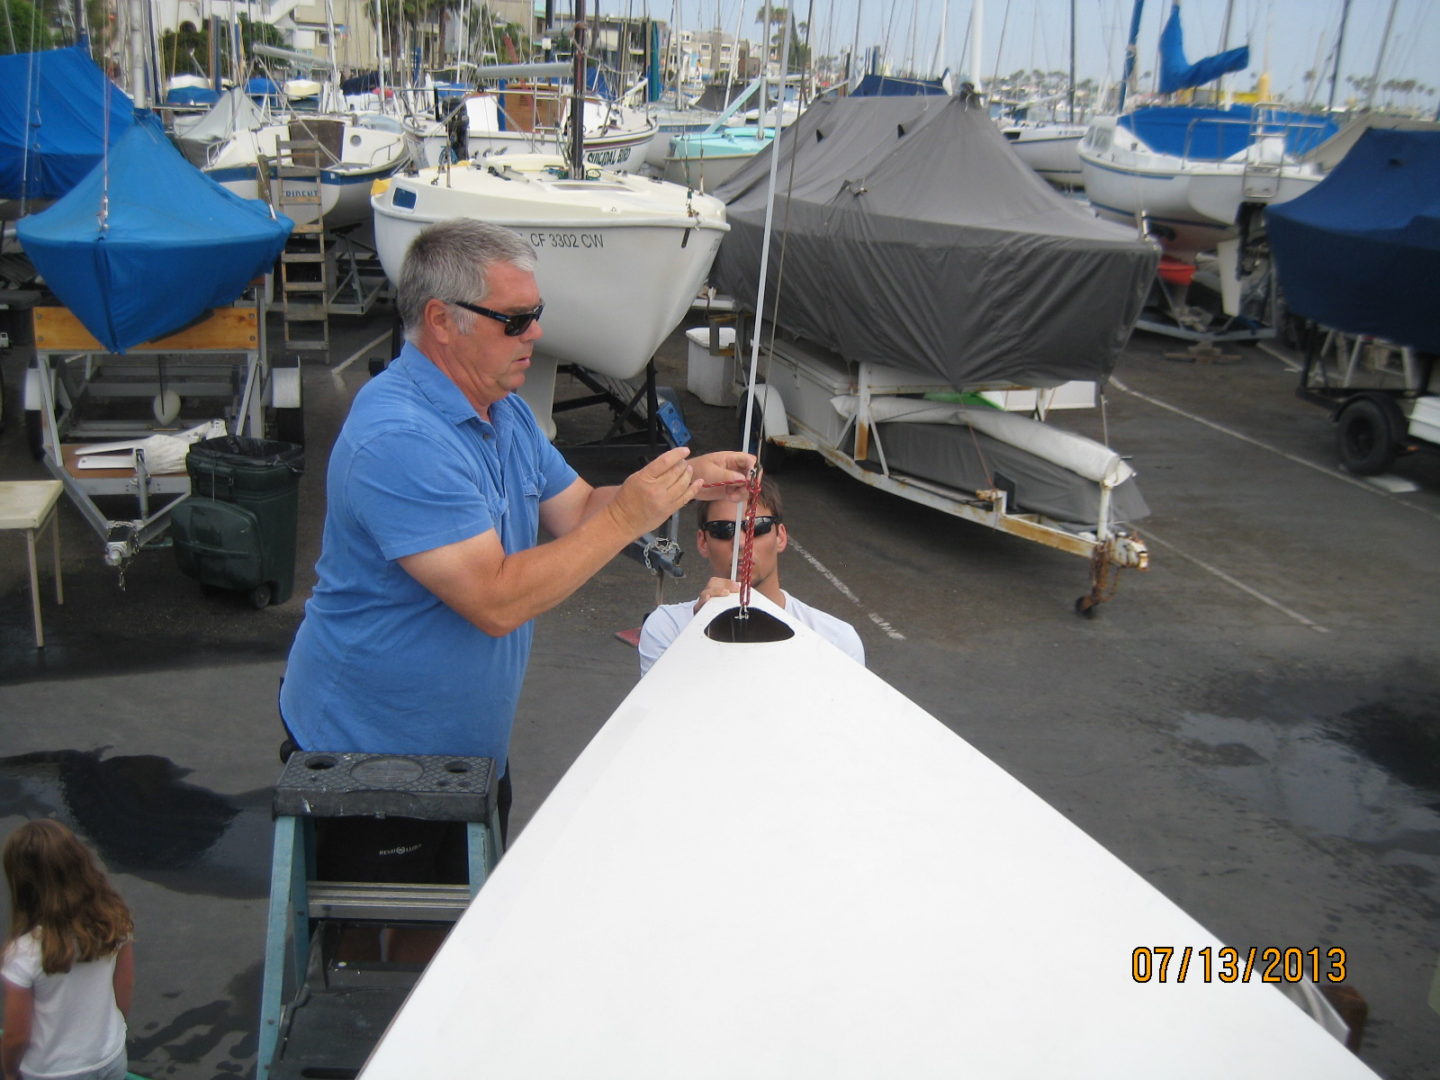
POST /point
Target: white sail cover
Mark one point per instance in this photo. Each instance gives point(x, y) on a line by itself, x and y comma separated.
point(907, 233)
point(806, 875)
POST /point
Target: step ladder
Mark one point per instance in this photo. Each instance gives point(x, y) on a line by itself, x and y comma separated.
point(304, 264)
point(319, 1018)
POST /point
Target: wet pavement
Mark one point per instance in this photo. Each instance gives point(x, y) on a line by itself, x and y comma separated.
point(1253, 724)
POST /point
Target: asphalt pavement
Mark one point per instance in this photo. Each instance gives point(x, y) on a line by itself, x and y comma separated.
point(1252, 724)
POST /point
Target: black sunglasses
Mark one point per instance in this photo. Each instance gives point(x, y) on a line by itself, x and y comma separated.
point(515, 325)
point(725, 530)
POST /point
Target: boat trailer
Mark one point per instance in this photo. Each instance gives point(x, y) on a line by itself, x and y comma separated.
point(90, 414)
point(814, 401)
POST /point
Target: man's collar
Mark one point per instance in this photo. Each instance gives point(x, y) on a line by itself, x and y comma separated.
point(438, 388)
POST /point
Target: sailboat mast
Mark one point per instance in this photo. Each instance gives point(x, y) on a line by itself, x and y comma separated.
point(1380, 56)
point(577, 107)
point(1072, 61)
point(1131, 53)
point(977, 21)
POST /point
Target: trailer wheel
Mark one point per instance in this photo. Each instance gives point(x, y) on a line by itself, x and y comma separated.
point(260, 596)
point(1366, 435)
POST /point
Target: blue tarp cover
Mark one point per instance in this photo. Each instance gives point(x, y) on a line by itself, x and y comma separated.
point(1208, 134)
point(1360, 252)
point(888, 86)
point(56, 102)
point(192, 95)
point(1177, 73)
point(177, 243)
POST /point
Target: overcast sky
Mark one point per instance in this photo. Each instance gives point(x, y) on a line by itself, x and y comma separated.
point(1297, 35)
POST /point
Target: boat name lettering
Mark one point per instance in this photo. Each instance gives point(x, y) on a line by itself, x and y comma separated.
point(567, 240)
point(615, 156)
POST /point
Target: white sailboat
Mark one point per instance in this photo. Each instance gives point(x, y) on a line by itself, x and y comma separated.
point(356, 150)
point(812, 876)
point(621, 257)
point(1173, 168)
point(532, 118)
point(1196, 176)
point(1051, 149)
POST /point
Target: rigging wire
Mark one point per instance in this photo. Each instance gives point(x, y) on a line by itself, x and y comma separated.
point(747, 426)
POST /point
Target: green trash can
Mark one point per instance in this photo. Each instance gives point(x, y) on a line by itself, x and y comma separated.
point(237, 529)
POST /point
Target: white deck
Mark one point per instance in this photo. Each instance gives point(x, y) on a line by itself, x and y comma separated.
point(809, 876)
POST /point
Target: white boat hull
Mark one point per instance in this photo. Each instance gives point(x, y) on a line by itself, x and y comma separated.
point(620, 259)
point(617, 137)
point(829, 884)
point(1051, 150)
point(1188, 205)
point(368, 154)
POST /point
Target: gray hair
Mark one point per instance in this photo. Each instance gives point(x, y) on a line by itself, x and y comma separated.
point(451, 260)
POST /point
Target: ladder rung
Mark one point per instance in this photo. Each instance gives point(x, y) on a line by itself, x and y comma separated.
point(308, 344)
point(364, 900)
point(304, 172)
point(288, 256)
point(301, 312)
point(306, 286)
point(297, 144)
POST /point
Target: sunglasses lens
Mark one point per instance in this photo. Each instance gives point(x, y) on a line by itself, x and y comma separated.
point(725, 530)
point(518, 324)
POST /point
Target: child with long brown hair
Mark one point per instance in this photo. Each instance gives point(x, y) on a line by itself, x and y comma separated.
point(69, 965)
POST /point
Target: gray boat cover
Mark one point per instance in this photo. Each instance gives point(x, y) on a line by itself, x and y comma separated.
point(912, 236)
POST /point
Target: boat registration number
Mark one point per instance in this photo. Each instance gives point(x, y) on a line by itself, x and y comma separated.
point(567, 240)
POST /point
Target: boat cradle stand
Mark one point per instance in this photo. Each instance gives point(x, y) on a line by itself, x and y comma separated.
point(319, 1017)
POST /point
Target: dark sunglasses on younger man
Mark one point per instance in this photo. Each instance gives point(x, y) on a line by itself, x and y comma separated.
point(725, 530)
point(515, 325)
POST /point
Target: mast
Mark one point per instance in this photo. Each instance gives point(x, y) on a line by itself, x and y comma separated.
point(977, 24)
point(1380, 56)
point(577, 106)
point(937, 65)
point(854, 68)
point(1128, 77)
point(1072, 61)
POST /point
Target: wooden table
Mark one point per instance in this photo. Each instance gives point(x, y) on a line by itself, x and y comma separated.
point(30, 505)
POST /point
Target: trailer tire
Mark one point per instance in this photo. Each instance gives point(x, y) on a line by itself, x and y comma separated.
point(1367, 433)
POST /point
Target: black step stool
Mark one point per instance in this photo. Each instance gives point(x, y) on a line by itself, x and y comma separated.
point(329, 1028)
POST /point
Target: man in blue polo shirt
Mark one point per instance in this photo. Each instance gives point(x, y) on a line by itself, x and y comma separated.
point(418, 632)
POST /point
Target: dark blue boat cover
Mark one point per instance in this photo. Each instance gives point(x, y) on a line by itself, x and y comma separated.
point(1360, 252)
point(55, 103)
point(1177, 73)
point(192, 95)
point(176, 244)
point(1209, 134)
point(889, 86)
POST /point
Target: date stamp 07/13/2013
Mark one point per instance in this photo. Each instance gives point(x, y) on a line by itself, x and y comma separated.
point(1271, 964)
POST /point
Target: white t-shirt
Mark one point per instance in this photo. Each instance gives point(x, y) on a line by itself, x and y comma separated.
point(77, 1026)
point(664, 624)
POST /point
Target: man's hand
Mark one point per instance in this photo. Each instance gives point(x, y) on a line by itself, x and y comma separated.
point(649, 497)
point(716, 586)
point(729, 468)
